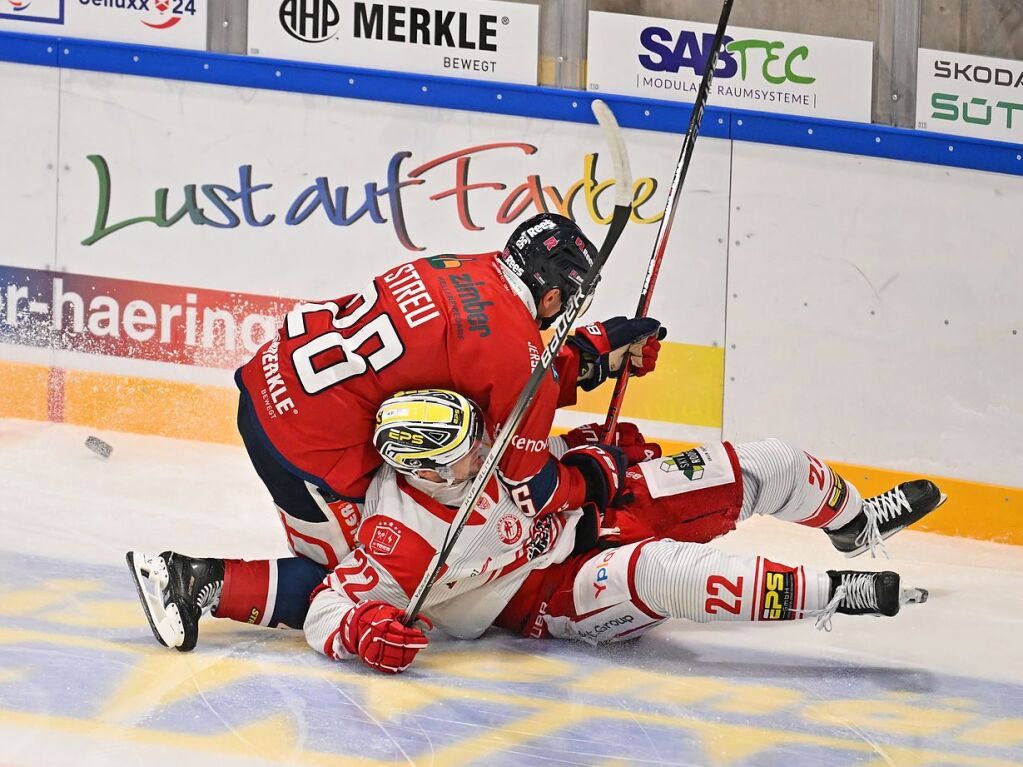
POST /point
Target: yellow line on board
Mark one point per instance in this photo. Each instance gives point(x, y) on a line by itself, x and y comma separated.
point(151, 406)
point(207, 413)
point(24, 390)
point(687, 388)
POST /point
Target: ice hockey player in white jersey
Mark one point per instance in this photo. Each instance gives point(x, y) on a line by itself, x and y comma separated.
point(605, 573)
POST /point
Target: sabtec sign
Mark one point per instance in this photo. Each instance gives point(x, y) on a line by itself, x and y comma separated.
point(756, 69)
point(776, 63)
point(477, 38)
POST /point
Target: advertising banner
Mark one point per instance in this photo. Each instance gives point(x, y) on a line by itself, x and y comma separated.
point(970, 95)
point(305, 196)
point(171, 23)
point(758, 69)
point(133, 319)
point(181, 247)
point(477, 39)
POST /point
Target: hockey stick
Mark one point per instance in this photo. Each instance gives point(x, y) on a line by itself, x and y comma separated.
point(671, 205)
point(561, 329)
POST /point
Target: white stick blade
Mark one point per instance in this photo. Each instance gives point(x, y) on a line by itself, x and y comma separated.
point(619, 154)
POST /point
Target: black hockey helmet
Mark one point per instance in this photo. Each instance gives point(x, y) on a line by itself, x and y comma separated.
point(549, 251)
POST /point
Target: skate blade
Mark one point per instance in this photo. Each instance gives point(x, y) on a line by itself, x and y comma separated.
point(913, 596)
point(150, 575)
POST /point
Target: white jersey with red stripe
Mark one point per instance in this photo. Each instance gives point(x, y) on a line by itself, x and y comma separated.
point(402, 529)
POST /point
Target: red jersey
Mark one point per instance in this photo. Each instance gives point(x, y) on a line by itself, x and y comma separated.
point(441, 322)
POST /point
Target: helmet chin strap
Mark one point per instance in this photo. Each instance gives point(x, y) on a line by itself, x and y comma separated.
point(447, 491)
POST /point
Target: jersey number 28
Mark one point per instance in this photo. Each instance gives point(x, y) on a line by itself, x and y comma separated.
point(380, 330)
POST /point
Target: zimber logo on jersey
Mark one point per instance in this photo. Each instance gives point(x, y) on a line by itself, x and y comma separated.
point(470, 299)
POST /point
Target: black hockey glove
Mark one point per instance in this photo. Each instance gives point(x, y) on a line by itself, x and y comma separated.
point(604, 346)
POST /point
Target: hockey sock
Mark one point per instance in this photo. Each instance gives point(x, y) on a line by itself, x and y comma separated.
point(700, 583)
point(782, 481)
point(268, 592)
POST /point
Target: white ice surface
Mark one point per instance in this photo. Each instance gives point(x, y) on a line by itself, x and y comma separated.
point(83, 682)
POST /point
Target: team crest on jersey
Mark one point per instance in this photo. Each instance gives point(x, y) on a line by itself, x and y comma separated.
point(385, 538)
point(448, 262)
point(484, 504)
point(509, 529)
point(690, 463)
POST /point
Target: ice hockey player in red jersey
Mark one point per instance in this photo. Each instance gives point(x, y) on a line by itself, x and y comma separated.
point(309, 397)
point(472, 324)
point(538, 576)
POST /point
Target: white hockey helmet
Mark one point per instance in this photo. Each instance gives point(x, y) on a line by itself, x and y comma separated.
point(427, 429)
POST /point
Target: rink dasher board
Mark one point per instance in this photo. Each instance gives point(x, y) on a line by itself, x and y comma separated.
point(691, 307)
point(504, 98)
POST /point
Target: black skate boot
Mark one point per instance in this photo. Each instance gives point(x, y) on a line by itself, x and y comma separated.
point(860, 593)
point(175, 591)
point(884, 515)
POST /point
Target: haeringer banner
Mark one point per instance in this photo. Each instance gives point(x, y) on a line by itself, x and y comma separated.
point(477, 39)
point(970, 95)
point(758, 69)
point(135, 319)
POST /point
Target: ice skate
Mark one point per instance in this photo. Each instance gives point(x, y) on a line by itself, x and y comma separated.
point(865, 593)
point(884, 515)
point(175, 591)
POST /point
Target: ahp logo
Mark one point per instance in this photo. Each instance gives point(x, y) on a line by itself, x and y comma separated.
point(311, 21)
point(18, 5)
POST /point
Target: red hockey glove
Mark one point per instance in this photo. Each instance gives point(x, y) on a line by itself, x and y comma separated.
point(373, 630)
point(603, 469)
point(627, 438)
point(603, 347)
point(634, 444)
point(645, 360)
